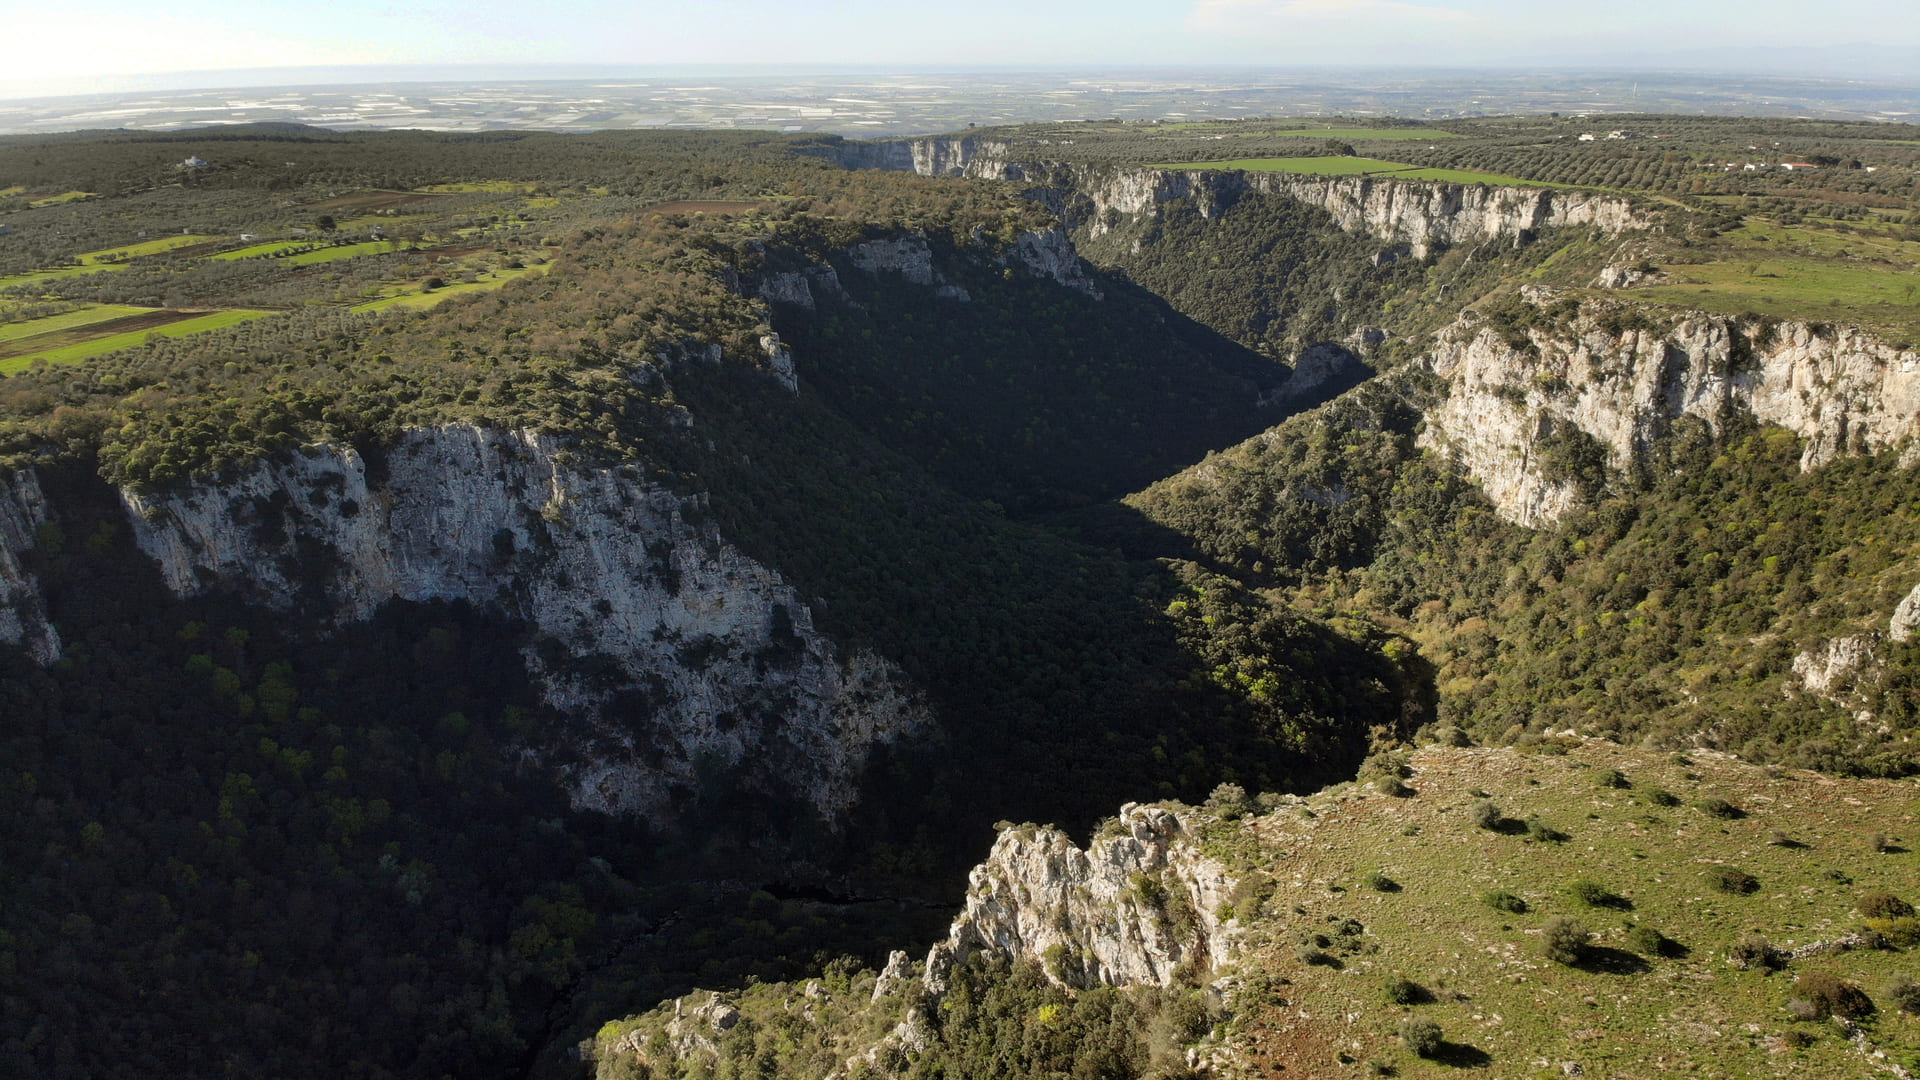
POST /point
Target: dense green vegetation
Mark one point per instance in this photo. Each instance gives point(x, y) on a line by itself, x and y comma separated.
point(1670, 607)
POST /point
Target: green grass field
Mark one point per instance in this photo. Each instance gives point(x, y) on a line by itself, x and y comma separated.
point(345, 251)
point(85, 350)
point(421, 300)
point(145, 247)
point(1358, 166)
point(87, 316)
point(278, 248)
point(1799, 272)
point(68, 196)
point(38, 276)
point(1626, 1011)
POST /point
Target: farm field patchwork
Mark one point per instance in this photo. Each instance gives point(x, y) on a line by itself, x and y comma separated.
point(424, 299)
point(36, 277)
point(301, 255)
point(71, 346)
point(108, 256)
point(86, 316)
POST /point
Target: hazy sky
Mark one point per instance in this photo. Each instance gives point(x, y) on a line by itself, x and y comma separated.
point(58, 42)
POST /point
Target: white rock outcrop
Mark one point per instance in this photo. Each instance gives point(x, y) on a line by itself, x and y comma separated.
point(1130, 908)
point(1418, 214)
point(23, 615)
point(1050, 254)
point(1839, 389)
point(715, 660)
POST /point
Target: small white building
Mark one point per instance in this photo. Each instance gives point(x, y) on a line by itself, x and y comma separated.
point(1586, 136)
point(194, 163)
point(248, 238)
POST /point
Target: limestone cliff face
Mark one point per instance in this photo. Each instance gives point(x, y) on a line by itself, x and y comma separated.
point(715, 659)
point(1418, 214)
point(23, 617)
point(1839, 389)
point(1138, 902)
point(928, 157)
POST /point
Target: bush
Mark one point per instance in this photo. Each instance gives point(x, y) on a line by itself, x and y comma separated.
point(1406, 992)
point(1663, 797)
point(1729, 880)
point(1611, 778)
point(1754, 951)
point(1894, 933)
point(1564, 940)
point(1879, 843)
point(1422, 1037)
point(1545, 833)
point(1647, 941)
point(1796, 1038)
point(1719, 808)
point(1594, 894)
point(1502, 900)
point(1486, 815)
point(1831, 995)
point(1903, 994)
point(1884, 905)
point(1380, 882)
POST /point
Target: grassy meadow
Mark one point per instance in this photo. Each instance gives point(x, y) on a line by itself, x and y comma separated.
point(1626, 842)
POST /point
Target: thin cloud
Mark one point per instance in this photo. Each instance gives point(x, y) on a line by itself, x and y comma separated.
point(1276, 14)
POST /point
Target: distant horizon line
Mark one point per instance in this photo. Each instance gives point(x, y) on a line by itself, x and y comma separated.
point(342, 75)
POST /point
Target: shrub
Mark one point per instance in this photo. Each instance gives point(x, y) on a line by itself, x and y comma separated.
point(1647, 941)
point(1406, 992)
point(1663, 797)
point(1611, 778)
point(1486, 815)
point(1230, 801)
point(1894, 933)
point(1879, 843)
point(1801, 1009)
point(1795, 1038)
point(1719, 808)
point(1754, 951)
point(1831, 995)
point(1594, 894)
point(1564, 940)
point(1502, 900)
point(1422, 1037)
point(1884, 905)
point(1307, 954)
point(1904, 994)
point(1541, 831)
point(1380, 882)
point(1729, 880)
point(1776, 838)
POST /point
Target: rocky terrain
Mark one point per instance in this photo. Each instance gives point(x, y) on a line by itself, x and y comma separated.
point(1359, 911)
point(1508, 391)
point(711, 657)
